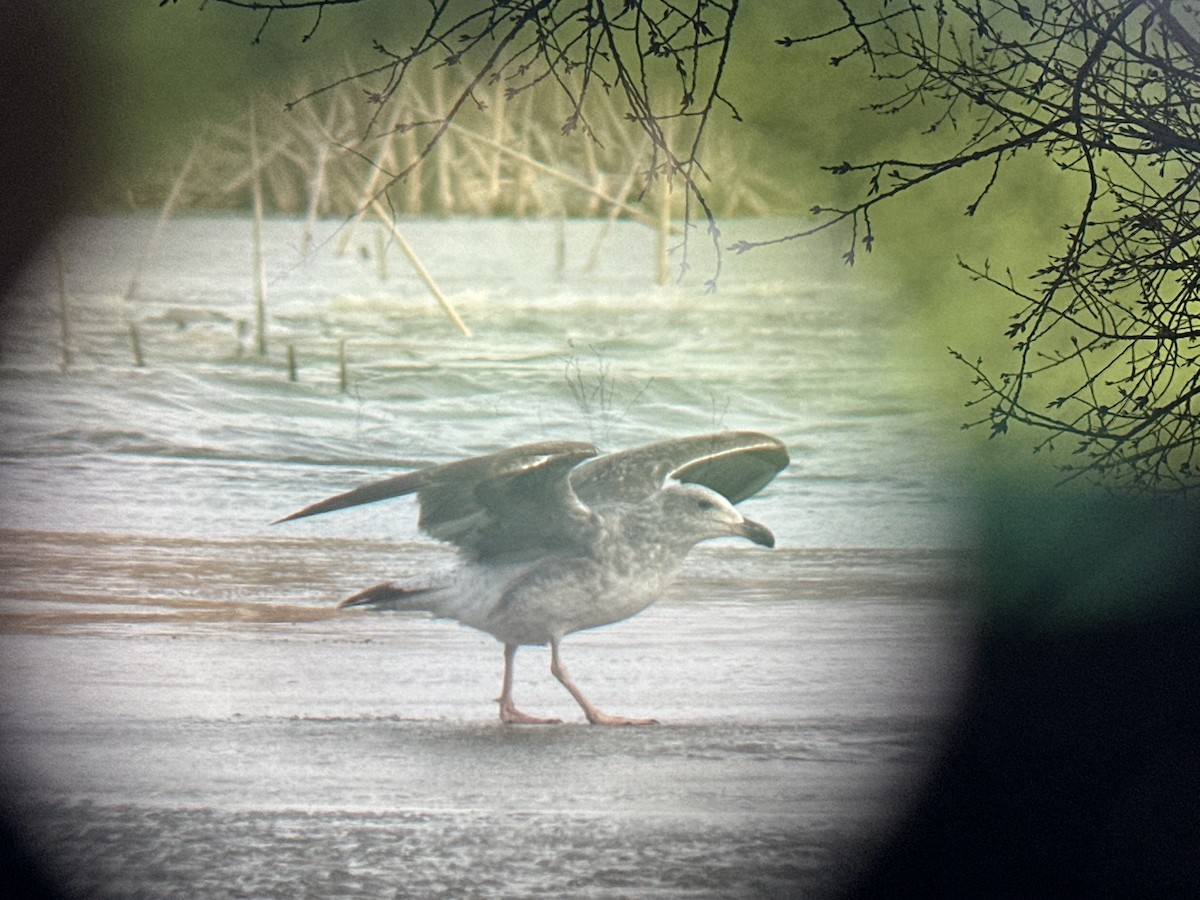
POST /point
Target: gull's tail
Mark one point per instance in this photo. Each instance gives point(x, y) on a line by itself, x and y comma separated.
point(392, 596)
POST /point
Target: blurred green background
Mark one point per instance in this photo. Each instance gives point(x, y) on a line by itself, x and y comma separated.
point(153, 76)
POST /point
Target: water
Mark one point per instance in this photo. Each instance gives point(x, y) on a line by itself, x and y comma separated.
point(798, 354)
point(184, 711)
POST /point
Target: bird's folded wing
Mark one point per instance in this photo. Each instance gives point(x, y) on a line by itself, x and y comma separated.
point(735, 464)
point(507, 503)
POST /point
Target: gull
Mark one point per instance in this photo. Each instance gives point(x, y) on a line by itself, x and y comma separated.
point(554, 538)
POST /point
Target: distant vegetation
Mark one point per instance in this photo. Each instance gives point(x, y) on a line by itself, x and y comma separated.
point(333, 151)
point(1103, 342)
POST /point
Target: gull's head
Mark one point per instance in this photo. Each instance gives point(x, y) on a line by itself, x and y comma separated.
point(704, 514)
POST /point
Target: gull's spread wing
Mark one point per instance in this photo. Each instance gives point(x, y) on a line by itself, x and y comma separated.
point(735, 464)
point(513, 502)
point(538, 498)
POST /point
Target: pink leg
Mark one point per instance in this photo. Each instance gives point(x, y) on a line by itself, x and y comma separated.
point(509, 714)
point(593, 715)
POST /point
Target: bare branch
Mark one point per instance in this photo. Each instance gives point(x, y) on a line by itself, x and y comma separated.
point(1106, 335)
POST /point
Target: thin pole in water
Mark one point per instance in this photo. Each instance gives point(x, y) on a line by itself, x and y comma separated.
point(560, 244)
point(381, 255)
point(135, 343)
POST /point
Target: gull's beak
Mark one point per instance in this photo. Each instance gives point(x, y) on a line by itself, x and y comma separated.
point(756, 532)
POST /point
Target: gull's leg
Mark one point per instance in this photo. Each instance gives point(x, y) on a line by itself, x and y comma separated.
point(509, 714)
point(559, 671)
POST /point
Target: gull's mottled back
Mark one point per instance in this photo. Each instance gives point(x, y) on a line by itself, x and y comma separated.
point(554, 538)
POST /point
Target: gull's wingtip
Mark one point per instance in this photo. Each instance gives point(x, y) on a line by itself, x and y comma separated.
point(316, 509)
point(512, 461)
point(311, 510)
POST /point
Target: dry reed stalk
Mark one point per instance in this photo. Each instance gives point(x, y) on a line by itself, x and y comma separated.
point(594, 173)
point(135, 344)
point(385, 217)
point(64, 323)
point(316, 192)
point(412, 184)
point(244, 176)
point(291, 363)
point(164, 215)
point(613, 211)
point(495, 164)
point(384, 158)
point(381, 255)
point(256, 252)
point(473, 188)
point(524, 176)
point(240, 329)
point(566, 178)
point(442, 159)
point(560, 245)
point(283, 188)
point(662, 265)
point(343, 378)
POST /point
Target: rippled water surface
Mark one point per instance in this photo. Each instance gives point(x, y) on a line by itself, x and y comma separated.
point(184, 711)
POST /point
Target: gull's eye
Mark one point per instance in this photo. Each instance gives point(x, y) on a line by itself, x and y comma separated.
point(706, 505)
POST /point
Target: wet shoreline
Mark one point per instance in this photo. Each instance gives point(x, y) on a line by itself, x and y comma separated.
point(183, 740)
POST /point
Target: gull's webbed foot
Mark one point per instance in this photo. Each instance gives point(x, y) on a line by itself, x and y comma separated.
point(510, 715)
